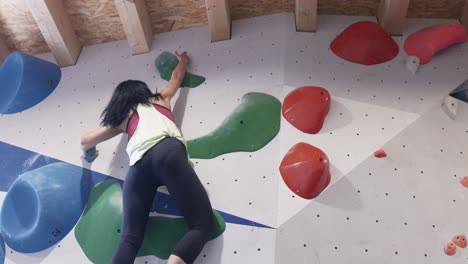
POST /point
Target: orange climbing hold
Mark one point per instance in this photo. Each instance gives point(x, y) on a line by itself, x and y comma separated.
point(464, 181)
point(449, 248)
point(428, 41)
point(305, 169)
point(460, 240)
point(306, 108)
point(380, 153)
point(365, 43)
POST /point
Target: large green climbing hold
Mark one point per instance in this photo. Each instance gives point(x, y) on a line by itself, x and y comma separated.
point(254, 123)
point(98, 231)
point(167, 62)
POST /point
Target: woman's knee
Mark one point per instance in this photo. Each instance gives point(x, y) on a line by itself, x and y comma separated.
point(134, 241)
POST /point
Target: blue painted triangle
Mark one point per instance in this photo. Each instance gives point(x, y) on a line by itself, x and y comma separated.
point(15, 161)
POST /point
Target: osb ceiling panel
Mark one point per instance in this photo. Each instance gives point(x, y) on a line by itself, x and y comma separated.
point(97, 21)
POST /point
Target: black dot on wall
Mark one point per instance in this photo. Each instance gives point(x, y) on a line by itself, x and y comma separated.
point(235, 252)
point(118, 230)
point(433, 226)
point(336, 248)
point(366, 250)
point(305, 245)
point(258, 249)
point(396, 252)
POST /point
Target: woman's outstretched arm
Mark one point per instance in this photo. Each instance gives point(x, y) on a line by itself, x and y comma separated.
point(177, 77)
point(98, 135)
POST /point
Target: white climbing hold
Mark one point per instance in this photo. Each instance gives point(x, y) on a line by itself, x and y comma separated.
point(412, 64)
point(450, 106)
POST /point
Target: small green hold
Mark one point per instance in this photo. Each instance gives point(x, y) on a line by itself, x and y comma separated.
point(98, 230)
point(167, 62)
point(252, 125)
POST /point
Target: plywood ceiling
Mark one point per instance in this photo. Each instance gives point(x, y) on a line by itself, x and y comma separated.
point(97, 21)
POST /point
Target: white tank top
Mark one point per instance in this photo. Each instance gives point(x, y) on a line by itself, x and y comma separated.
point(151, 129)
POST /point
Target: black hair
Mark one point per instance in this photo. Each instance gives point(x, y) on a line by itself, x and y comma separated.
point(127, 95)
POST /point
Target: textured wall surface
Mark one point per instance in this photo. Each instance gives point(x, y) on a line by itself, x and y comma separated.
point(97, 21)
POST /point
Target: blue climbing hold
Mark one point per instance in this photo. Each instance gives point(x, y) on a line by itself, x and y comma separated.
point(461, 93)
point(26, 81)
point(2, 250)
point(43, 205)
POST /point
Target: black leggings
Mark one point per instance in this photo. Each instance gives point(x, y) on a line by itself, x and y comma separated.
point(164, 164)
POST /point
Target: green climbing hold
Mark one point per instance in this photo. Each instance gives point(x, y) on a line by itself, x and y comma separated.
point(254, 123)
point(167, 62)
point(98, 231)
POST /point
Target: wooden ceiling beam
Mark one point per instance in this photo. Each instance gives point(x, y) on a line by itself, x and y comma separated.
point(219, 19)
point(306, 15)
point(464, 16)
point(4, 51)
point(137, 24)
point(57, 30)
point(392, 15)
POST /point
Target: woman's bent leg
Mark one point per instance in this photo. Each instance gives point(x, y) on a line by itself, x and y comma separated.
point(192, 199)
point(138, 194)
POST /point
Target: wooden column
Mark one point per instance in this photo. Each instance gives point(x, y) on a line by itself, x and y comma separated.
point(219, 19)
point(4, 51)
point(464, 17)
point(392, 15)
point(136, 23)
point(56, 28)
point(306, 15)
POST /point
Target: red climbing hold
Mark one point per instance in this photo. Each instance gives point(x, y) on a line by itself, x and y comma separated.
point(464, 181)
point(449, 248)
point(306, 170)
point(365, 43)
point(306, 108)
point(428, 41)
point(380, 153)
point(460, 240)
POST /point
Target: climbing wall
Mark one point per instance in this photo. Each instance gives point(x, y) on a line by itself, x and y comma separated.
point(398, 209)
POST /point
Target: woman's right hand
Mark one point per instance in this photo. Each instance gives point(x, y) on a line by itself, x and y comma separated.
point(183, 57)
